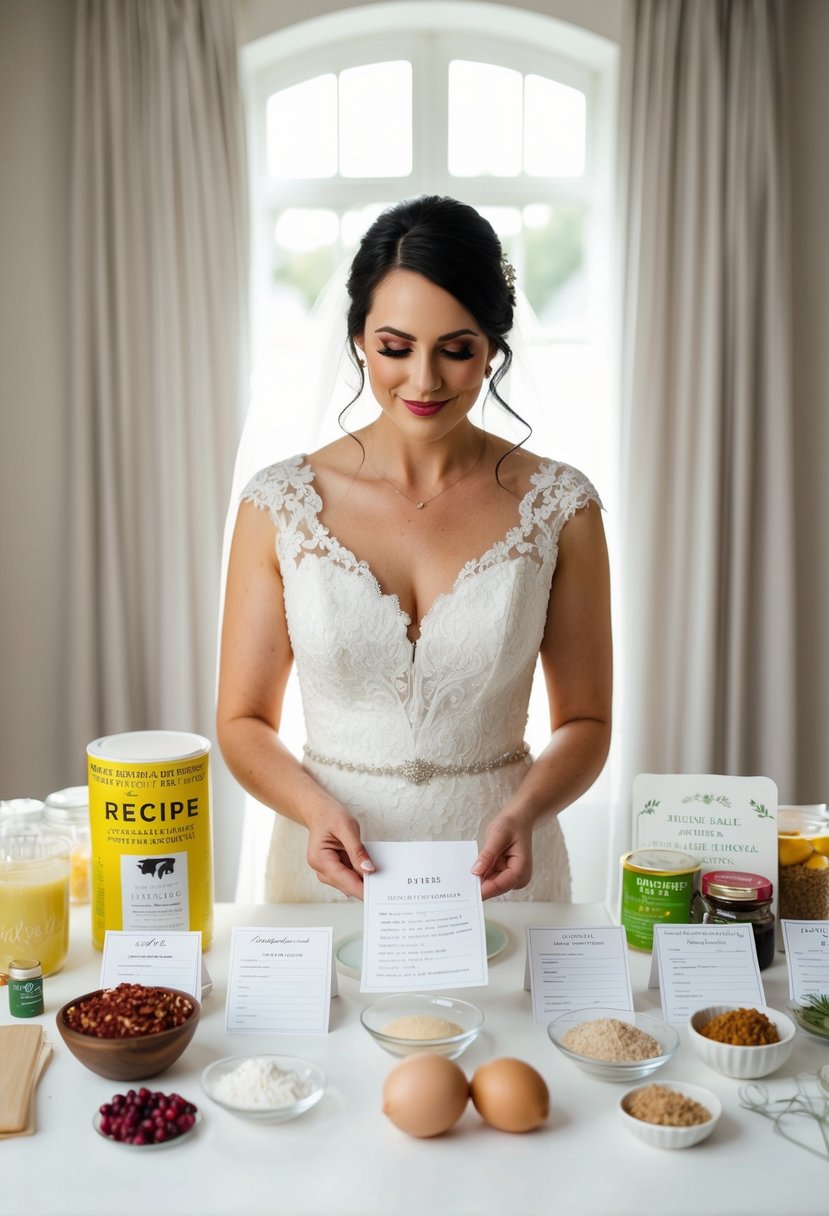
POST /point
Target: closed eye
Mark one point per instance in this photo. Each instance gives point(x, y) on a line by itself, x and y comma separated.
point(392, 352)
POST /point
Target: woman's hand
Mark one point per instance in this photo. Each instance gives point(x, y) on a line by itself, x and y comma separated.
point(505, 862)
point(336, 852)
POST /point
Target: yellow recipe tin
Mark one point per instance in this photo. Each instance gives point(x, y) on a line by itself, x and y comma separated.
point(657, 888)
point(151, 838)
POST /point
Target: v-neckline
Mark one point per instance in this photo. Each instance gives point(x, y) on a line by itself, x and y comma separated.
point(473, 566)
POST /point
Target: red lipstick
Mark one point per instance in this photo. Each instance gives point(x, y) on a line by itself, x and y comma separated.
point(424, 409)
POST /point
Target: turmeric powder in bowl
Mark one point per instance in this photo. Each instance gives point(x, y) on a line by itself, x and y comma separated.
point(741, 1028)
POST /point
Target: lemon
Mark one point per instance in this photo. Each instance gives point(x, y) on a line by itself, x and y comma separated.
point(792, 849)
point(816, 862)
point(821, 845)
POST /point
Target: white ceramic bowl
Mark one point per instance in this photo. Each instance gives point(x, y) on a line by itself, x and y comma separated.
point(612, 1070)
point(744, 1063)
point(660, 1136)
point(376, 1019)
point(309, 1073)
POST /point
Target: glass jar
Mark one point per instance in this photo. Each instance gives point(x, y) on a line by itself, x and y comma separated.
point(34, 898)
point(21, 813)
point(730, 897)
point(803, 854)
point(67, 811)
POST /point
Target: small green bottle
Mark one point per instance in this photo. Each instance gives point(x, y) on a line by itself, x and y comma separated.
point(25, 988)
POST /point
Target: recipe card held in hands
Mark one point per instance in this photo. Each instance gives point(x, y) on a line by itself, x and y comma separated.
point(423, 918)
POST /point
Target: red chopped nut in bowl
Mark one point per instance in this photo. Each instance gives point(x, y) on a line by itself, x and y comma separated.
point(128, 1011)
point(129, 1032)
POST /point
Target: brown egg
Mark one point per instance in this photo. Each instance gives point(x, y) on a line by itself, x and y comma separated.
point(510, 1095)
point(425, 1095)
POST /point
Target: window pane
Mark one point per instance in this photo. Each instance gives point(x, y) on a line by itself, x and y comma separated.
point(305, 254)
point(376, 120)
point(302, 129)
point(505, 220)
point(555, 118)
point(355, 222)
point(553, 271)
point(485, 104)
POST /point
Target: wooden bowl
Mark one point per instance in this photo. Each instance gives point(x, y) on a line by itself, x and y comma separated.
point(132, 1059)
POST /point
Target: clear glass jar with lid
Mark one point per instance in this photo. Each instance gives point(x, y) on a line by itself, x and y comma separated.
point(803, 853)
point(728, 897)
point(21, 813)
point(67, 811)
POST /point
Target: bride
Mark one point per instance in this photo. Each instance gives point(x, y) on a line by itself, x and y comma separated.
point(414, 570)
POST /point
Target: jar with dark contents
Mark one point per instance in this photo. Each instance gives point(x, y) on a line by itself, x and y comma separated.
point(729, 897)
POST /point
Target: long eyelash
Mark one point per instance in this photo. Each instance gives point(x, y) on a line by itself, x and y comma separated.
point(466, 353)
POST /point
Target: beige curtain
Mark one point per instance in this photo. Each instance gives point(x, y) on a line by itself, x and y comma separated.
point(159, 264)
point(707, 647)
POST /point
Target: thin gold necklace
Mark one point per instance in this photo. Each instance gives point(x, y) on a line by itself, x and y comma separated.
point(424, 502)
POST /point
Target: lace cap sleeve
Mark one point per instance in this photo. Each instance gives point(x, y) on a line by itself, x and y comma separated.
point(561, 490)
point(279, 489)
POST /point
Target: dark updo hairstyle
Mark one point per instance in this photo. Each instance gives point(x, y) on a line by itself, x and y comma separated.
point(454, 247)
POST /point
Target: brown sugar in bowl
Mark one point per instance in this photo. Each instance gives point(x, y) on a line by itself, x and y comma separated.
point(128, 1059)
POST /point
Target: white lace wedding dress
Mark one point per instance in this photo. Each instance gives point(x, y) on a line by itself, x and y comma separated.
point(457, 698)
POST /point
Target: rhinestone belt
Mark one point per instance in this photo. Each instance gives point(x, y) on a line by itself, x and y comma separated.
point(421, 771)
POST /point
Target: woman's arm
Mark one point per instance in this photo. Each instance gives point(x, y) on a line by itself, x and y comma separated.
point(256, 659)
point(577, 661)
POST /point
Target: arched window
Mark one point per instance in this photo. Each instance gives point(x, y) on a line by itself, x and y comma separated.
point(509, 111)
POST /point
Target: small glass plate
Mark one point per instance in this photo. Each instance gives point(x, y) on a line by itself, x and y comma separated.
point(815, 1031)
point(96, 1123)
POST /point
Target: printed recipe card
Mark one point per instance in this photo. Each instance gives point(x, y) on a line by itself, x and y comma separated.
point(170, 959)
point(807, 958)
point(423, 919)
point(280, 980)
point(575, 968)
point(701, 965)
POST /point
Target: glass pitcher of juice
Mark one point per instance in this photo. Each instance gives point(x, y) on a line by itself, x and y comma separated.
point(34, 898)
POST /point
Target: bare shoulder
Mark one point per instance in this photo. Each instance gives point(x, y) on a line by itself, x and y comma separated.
point(342, 455)
point(516, 466)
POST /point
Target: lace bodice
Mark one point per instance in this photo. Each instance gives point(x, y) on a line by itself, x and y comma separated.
point(457, 697)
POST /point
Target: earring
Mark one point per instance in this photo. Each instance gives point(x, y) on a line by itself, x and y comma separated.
point(361, 362)
point(488, 370)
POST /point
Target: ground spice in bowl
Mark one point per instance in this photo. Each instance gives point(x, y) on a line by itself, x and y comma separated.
point(611, 1039)
point(421, 1026)
point(667, 1107)
point(741, 1028)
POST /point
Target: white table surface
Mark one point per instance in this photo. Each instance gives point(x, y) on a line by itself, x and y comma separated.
point(345, 1158)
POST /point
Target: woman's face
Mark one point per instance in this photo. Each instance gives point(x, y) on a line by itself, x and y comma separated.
point(426, 357)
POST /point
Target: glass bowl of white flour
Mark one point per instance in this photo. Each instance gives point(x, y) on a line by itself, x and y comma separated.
point(264, 1088)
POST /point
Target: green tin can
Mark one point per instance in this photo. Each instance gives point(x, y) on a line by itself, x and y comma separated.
point(25, 988)
point(657, 888)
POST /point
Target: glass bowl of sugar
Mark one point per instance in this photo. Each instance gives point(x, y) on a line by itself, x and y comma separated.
point(264, 1088)
point(614, 1044)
